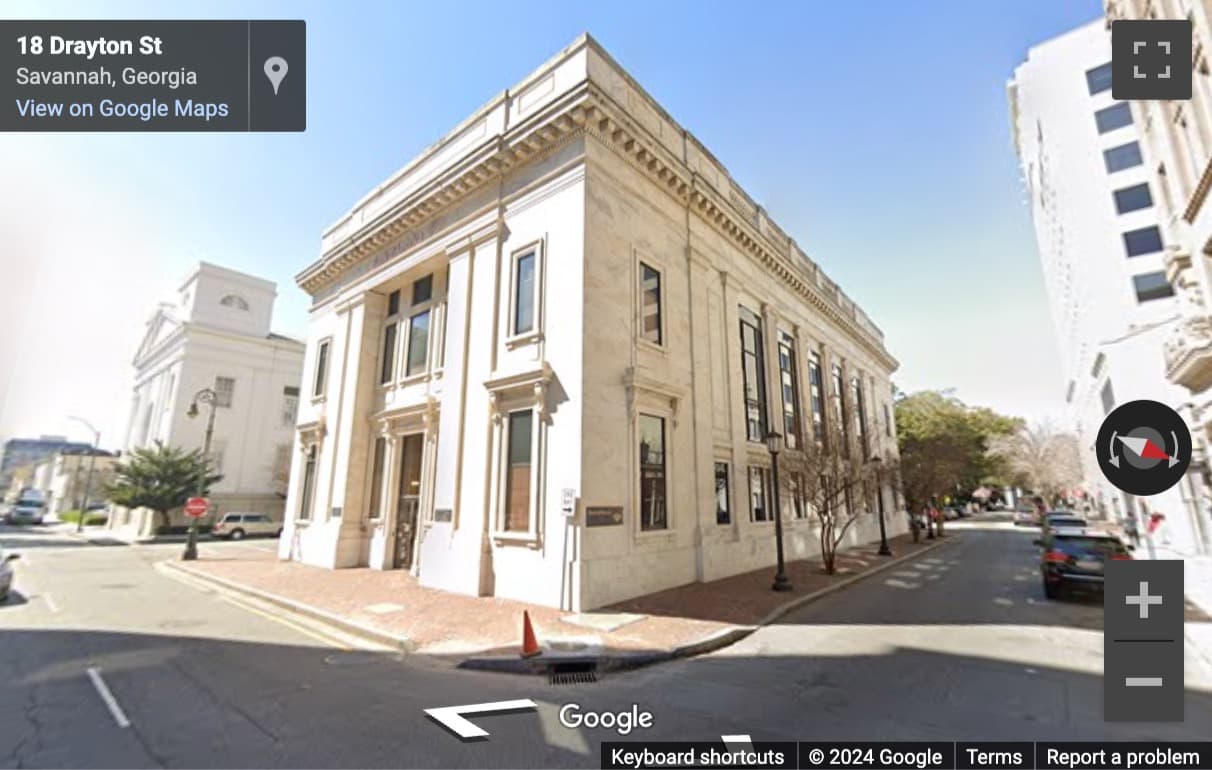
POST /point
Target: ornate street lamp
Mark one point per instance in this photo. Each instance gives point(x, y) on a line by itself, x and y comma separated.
point(879, 491)
point(774, 442)
point(204, 396)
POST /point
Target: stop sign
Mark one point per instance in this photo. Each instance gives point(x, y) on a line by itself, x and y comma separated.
point(197, 507)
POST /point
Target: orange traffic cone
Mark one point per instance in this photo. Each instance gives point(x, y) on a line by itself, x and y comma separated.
point(530, 645)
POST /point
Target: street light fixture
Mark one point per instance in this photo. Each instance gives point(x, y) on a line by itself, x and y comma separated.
point(879, 491)
point(774, 442)
point(88, 479)
point(204, 396)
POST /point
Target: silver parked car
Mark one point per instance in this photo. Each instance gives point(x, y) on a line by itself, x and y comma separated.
point(237, 526)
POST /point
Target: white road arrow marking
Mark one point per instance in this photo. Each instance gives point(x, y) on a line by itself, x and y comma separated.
point(451, 717)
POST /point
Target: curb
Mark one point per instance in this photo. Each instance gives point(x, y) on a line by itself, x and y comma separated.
point(714, 641)
point(397, 642)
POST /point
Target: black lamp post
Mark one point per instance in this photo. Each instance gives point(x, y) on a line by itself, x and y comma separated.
point(879, 491)
point(205, 396)
point(88, 480)
point(774, 442)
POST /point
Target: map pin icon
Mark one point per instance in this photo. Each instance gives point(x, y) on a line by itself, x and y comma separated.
point(275, 70)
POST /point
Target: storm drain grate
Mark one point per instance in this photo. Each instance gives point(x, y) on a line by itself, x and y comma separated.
point(572, 673)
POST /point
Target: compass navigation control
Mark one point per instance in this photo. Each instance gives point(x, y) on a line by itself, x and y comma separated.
point(1143, 447)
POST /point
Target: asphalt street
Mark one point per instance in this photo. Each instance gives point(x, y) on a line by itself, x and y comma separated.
point(107, 661)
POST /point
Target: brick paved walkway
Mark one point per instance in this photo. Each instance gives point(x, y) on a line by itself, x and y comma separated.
point(448, 624)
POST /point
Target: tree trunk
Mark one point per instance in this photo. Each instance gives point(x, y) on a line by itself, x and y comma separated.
point(163, 524)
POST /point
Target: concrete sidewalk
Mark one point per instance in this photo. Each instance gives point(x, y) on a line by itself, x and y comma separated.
point(390, 608)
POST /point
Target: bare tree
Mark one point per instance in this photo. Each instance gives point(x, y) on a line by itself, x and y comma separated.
point(834, 482)
point(1041, 458)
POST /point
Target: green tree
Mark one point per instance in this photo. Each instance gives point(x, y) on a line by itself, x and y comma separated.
point(161, 478)
point(944, 445)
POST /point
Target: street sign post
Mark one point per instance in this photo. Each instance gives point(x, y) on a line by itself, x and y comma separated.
point(197, 507)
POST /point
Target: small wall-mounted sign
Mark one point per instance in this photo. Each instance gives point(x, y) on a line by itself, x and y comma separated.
point(336, 512)
point(442, 514)
point(603, 516)
point(568, 502)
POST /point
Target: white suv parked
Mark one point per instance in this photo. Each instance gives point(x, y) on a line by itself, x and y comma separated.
point(237, 526)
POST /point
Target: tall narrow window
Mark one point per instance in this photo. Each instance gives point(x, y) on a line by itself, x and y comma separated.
point(422, 290)
point(388, 371)
point(887, 421)
point(790, 387)
point(650, 304)
point(523, 293)
point(317, 388)
point(799, 494)
point(517, 480)
point(290, 405)
point(816, 389)
point(723, 507)
point(309, 484)
point(860, 415)
point(839, 411)
point(759, 509)
point(754, 368)
point(653, 514)
point(376, 476)
point(225, 391)
point(418, 343)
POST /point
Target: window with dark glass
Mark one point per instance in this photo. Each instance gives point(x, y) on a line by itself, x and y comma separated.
point(1122, 157)
point(839, 410)
point(652, 473)
point(753, 366)
point(799, 493)
point(650, 304)
point(790, 388)
point(1151, 286)
point(422, 290)
point(317, 388)
point(887, 421)
point(860, 415)
point(1099, 78)
point(523, 294)
point(1133, 198)
point(1146, 240)
point(388, 370)
point(816, 392)
point(723, 509)
point(1107, 396)
point(309, 483)
point(376, 475)
point(393, 303)
point(1110, 118)
point(418, 343)
point(759, 487)
point(517, 479)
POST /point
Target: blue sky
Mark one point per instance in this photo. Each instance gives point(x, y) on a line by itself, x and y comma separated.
point(875, 133)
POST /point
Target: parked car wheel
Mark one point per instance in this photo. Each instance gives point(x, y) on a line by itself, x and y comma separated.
point(1052, 590)
point(236, 534)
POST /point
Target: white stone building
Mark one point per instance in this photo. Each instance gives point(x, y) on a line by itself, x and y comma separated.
point(217, 335)
point(67, 475)
point(539, 354)
point(1176, 142)
point(1097, 229)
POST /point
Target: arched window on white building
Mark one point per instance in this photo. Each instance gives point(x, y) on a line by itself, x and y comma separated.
point(234, 301)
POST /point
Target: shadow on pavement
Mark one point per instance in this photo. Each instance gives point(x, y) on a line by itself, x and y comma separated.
point(205, 702)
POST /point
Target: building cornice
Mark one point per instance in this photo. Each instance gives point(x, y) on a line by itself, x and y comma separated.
point(587, 110)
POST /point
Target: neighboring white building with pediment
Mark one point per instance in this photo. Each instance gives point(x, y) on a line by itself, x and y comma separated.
point(542, 358)
point(217, 335)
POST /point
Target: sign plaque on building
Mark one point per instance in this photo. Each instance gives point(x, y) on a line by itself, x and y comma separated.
point(603, 516)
